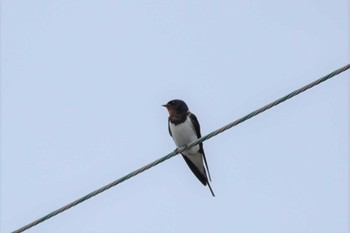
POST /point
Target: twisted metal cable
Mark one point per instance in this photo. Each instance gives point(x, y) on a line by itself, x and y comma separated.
point(181, 149)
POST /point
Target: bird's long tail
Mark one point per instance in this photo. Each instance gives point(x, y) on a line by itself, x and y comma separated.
point(211, 190)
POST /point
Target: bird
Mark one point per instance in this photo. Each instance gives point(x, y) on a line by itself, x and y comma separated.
point(184, 128)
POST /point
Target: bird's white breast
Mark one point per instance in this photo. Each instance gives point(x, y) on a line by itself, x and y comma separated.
point(183, 134)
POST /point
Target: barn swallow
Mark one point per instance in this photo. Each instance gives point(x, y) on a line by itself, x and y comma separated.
point(184, 128)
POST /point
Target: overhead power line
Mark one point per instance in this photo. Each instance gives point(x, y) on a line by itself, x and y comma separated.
point(181, 149)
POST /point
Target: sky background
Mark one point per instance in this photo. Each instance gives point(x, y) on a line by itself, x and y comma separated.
point(82, 84)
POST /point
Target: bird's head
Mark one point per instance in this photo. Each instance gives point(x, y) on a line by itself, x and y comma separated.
point(176, 107)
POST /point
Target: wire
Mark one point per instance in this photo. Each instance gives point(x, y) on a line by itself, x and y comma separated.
point(181, 149)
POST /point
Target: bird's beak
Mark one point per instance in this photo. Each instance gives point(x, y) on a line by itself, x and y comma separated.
point(165, 105)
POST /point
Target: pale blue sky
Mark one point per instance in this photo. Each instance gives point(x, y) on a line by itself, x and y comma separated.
point(82, 83)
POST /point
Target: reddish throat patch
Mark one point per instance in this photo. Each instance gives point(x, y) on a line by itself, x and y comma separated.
point(171, 111)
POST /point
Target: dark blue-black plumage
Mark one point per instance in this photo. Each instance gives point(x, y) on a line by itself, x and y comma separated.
point(184, 128)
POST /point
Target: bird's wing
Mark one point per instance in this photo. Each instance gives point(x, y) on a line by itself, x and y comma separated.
point(169, 128)
point(195, 123)
point(201, 177)
point(197, 129)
